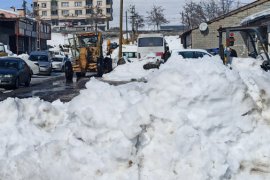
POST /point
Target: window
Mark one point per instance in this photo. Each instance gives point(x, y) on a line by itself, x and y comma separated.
point(108, 2)
point(99, 3)
point(150, 42)
point(64, 4)
point(35, 4)
point(108, 10)
point(78, 4)
point(65, 12)
point(54, 13)
point(89, 11)
point(43, 5)
point(44, 13)
point(130, 54)
point(89, 2)
point(78, 12)
point(54, 3)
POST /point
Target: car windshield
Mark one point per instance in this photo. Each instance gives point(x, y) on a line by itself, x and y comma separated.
point(56, 59)
point(9, 64)
point(38, 58)
point(192, 54)
point(89, 40)
point(150, 42)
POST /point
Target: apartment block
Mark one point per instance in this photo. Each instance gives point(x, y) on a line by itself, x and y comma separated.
point(68, 14)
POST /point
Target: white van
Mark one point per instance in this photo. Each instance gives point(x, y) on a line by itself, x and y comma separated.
point(151, 43)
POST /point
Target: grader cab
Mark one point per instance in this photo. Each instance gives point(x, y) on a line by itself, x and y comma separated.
point(87, 53)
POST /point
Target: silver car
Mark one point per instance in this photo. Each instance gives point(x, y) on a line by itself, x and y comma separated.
point(58, 63)
point(43, 59)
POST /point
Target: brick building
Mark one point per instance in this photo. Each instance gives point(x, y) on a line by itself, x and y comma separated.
point(208, 39)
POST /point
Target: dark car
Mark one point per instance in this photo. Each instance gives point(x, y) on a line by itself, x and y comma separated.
point(14, 72)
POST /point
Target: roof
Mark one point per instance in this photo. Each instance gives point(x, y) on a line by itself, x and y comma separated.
point(256, 16)
point(9, 14)
point(150, 35)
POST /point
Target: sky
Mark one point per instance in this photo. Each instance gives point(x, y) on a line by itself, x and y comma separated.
point(189, 118)
point(172, 8)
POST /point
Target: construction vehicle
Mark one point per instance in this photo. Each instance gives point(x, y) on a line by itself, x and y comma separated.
point(87, 53)
point(250, 32)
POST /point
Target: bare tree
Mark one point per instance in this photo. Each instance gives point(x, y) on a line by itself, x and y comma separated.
point(193, 14)
point(196, 13)
point(138, 19)
point(226, 6)
point(156, 16)
point(211, 9)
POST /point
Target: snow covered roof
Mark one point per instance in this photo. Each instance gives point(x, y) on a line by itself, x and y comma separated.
point(9, 14)
point(255, 17)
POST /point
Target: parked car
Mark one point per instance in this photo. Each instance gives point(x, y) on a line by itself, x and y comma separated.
point(58, 63)
point(43, 59)
point(191, 53)
point(14, 72)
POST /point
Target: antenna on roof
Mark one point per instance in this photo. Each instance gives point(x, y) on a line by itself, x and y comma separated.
point(12, 7)
point(24, 7)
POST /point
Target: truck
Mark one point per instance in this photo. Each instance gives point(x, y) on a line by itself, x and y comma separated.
point(87, 56)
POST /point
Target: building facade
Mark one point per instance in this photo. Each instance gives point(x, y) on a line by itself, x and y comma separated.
point(23, 34)
point(84, 14)
point(208, 39)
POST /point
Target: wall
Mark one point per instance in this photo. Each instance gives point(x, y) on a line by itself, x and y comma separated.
point(210, 40)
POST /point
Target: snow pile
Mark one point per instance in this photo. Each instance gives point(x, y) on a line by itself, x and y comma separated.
point(59, 39)
point(130, 71)
point(255, 16)
point(194, 119)
point(174, 42)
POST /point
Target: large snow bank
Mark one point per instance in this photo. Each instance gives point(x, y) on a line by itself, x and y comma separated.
point(194, 119)
point(59, 39)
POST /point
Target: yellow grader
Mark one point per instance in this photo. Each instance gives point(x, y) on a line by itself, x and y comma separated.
point(87, 53)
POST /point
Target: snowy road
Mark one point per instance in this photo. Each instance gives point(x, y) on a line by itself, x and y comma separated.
point(41, 86)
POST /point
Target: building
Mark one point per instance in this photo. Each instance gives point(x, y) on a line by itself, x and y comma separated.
point(80, 14)
point(206, 36)
point(172, 28)
point(23, 34)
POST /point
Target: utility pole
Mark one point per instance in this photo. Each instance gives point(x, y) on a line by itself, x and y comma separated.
point(133, 23)
point(24, 7)
point(121, 30)
point(126, 25)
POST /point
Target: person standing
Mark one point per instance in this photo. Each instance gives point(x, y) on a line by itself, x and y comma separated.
point(230, 54)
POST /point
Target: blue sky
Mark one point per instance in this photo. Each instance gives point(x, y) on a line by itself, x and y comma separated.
point(6, 4)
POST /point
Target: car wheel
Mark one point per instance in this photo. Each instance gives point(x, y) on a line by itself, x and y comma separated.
point(100, 67)
point(50, 72)
point(27, 83)
point(68, 71)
